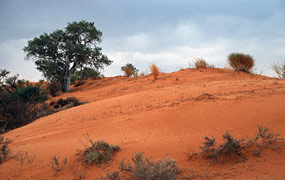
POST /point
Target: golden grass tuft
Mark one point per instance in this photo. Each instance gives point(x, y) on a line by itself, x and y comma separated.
point(154, 71)
point(241, 62)
point(128, 71)
point(200, 63)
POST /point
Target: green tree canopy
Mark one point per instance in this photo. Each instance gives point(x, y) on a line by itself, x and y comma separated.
point(58, 54)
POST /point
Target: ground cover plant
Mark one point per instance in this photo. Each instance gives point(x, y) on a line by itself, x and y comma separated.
point(241, 62)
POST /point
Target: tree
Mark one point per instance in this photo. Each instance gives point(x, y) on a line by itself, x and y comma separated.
point(59, 54)
point(129, 70)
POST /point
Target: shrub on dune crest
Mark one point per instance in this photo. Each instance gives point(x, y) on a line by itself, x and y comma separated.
point(154, 71)
point(241, 62)
point(279, 69)
point(200, 63)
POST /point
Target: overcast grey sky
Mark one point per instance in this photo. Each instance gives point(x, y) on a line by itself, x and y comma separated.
point(169, 33)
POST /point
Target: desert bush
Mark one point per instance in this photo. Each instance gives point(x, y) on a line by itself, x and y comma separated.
point(130, 70)
point(241, 62)
point(154, 71)
point(84, 74)
point(54, 88)
point(98, 153)
point(216, 152)
point(20, 106)
point(145, 169)
point(4, 149)
point(279, 69)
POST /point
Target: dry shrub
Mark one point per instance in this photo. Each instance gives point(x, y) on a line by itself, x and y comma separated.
point(279, 69)
point(128, 71)
point(241, 62)
point(4, 150)
point(154, 71)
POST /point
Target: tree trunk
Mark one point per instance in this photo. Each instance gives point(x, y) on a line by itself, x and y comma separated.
point(66, 83)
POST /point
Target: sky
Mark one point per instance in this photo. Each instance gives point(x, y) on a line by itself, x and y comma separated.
point(169, 33)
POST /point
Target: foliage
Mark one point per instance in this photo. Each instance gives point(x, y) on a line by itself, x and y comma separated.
point(100, 152)
point(65, 103)
point(19, 103)
point(130, 70)
point(154, 71)
point(145, 169)
point(60, 53)
point(85, 73)
point(279, 69)
point(241, 62)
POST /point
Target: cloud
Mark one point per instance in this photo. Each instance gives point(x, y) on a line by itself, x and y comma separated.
point(12, 59)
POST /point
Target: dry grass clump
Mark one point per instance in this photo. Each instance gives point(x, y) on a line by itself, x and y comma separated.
point(200, 63)
point(56, 165)
point(279, 69)
point(154, 71)
point(100, 152)
point(241, 62)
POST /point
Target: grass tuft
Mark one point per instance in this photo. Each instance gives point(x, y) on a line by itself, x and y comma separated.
point(154, 71)
point(241, 62)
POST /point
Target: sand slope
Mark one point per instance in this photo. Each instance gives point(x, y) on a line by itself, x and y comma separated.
point(168, 117)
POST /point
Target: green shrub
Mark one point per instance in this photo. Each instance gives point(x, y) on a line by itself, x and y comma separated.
point(54, 88)
point(241, 62)
point(4, 150)
point(99, 152)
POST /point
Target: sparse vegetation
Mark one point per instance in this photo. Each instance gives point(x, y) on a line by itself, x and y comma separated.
point(154, 71)
point(56, 165)
point(241, 62)
point(100, 152)
point(130, 70)
point(69, 102)
point(279, 69)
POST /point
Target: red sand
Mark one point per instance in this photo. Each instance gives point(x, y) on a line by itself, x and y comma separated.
point(168, 117)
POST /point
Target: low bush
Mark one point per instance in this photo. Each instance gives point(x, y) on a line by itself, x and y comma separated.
point(54, 88)
point(98, 153)
point(241, 62)
point(66, 103)
point(154, 71)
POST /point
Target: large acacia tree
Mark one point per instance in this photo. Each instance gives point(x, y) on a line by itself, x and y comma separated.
point(58, 54)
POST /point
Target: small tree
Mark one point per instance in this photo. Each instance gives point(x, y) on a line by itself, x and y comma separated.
point(129, 70)
point(59, 54)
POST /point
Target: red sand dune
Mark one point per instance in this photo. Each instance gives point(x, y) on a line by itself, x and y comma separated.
point(168, 117)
